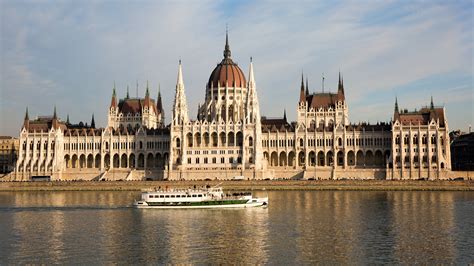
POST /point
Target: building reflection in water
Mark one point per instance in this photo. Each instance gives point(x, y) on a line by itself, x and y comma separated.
point(424, 225)
point(346, 227)
point(298, 227)
point(206, 235)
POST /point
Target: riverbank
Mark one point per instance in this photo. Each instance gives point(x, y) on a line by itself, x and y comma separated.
point(362, 185)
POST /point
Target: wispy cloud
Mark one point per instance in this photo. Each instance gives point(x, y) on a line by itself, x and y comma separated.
point(70, 53)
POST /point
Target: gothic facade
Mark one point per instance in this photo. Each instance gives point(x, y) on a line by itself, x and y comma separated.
point(229, 138)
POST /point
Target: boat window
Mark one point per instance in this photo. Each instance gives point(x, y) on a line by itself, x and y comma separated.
point(172, 196)
point(200, 195)
point(194, 195)
point(161, 196)
point(189, 196)
point(150, 196)
point(178, 196)
point(167, 196)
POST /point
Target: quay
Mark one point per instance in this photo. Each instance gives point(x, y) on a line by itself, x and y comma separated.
point(270, 185)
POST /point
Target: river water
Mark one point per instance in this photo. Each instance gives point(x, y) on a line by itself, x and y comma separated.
point(298, 227)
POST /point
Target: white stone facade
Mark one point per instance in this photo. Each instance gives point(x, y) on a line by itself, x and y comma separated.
point(229, 138)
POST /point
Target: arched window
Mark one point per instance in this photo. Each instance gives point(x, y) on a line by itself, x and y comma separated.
point(178, 143)
point(301, 143)
point(339, 142)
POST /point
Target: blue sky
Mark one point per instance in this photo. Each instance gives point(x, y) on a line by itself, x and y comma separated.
point(69, 53)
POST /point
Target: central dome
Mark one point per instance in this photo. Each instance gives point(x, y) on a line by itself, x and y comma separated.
point(227, 72)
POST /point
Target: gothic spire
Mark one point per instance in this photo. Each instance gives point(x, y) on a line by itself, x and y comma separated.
point(180, 109)
point(251, 75)
point(128, 93)
point(339, 84)
point(302, 94)
point(27, 117)
point(159, 104)
point(113, 102)
point(55, 122)
point(396, 105)
point(26, 122)
point(227, 52)
point(307, 86)
point(92, 121)
point(284, 114)
point(431, 104)
point(67, 119)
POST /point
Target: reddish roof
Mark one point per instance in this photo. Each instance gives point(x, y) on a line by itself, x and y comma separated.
point(422, 117)
point(44, 124)
point(227, 72)
point(324, 100)
point(134, 106)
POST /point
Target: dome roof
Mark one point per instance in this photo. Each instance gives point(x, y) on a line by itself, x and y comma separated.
point(227, 72)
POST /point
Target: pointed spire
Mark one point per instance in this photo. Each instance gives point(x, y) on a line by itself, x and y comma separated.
point(67, 119)
point(92, 121)
point(302, 93)
point(431, 104)
point(227, 52)
point(339, 84)
point(147, 93)
point(113, 102)
point(55, 122)
point(180, 74)
point(307, 86)
point(284, 114)
point(128, 93)
point(251, 75)
point(396, 105)
point(180, 109)
point(26, 122)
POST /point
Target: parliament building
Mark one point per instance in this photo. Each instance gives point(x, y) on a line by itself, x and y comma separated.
point(229, 138)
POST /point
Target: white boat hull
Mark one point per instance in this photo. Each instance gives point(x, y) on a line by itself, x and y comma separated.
point(259, 203)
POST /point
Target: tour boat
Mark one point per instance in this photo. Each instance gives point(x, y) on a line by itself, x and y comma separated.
point(209, 197)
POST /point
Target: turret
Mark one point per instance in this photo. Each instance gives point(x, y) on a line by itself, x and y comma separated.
point(340, 88)
point(147, 101)
point(26, 121)
point(159, 106)
point(396, 114)
point(113, 102)
point(55, 122)
point(307, 87)
point(92, 121)
point(252, 107)
point(302, 93)
point(180, 109)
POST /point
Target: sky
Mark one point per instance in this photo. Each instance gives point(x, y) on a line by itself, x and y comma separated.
point(69, 54)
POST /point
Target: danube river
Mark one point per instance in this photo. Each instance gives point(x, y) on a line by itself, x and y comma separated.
point(302, 227)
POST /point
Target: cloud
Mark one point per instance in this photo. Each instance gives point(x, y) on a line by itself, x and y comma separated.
point(70, 53)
